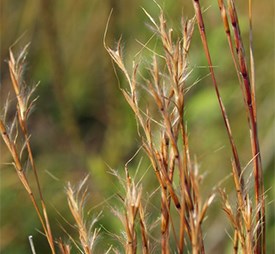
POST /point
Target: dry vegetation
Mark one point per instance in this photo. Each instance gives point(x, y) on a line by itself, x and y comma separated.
point(157, 100)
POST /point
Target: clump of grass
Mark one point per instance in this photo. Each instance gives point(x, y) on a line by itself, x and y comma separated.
point(254, 239)
point(132, 215)
point(10, 136)
point(169, 152)
point(164, 136)
point(163, 132)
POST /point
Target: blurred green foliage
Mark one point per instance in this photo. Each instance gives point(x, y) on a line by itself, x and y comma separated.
point(81, 123)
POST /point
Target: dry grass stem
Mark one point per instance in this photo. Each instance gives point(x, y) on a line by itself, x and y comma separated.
point(157, 97)
point(170, 154)
point(76, 200)
point(24, 106)
point(257, 242)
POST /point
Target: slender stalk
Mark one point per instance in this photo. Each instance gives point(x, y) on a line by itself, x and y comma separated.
point(144, 231)
point(231, 47)
point(32, 245)
point(202, 31)
point(23, 126)
point(23, 108)
point(251, 105)
point(251, 56)
point(253, 95)
point(21, 175)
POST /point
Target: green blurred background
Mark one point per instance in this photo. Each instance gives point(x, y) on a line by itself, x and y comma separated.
point(81, 123)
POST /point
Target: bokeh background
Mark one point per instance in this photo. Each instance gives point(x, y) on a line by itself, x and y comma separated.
point(82, 125)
